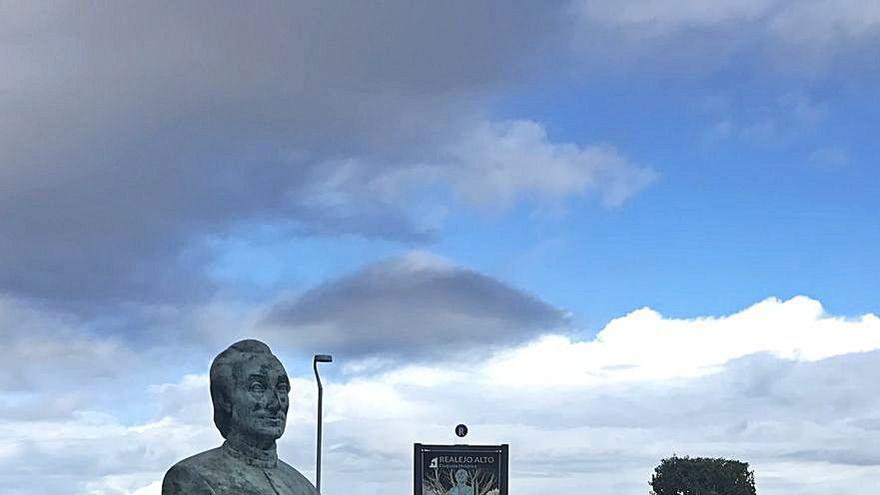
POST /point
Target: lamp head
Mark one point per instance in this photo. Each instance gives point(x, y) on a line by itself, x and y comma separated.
point(323, 358)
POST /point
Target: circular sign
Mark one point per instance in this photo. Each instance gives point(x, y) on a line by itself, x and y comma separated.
point(461, 430)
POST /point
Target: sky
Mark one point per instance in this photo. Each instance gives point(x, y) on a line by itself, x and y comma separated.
point(602, 232)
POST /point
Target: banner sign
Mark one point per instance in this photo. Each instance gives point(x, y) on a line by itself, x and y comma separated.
point(460, 469)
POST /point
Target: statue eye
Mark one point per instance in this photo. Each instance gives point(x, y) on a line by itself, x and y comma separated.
point(257, 388)
point(283, 387)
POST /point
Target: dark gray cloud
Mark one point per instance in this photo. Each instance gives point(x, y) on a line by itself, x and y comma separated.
point(414, 305)
point(132, 129)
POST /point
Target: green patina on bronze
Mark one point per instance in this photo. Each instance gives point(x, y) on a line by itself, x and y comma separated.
point(249, 388)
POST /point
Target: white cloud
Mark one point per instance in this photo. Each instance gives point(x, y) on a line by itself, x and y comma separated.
point(664, 16)
point(831, 157)
point(496, 164)
point(781, 384)
point(644, 345)
point(822, 22)
point(151, 489)
point(792, 21)
point(766, 384)
point(792, 115)
point(37, 343)
point(791, 37)
point(501, 162)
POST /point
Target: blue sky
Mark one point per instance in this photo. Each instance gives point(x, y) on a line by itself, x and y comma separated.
point(625, 229)
point(730, 219)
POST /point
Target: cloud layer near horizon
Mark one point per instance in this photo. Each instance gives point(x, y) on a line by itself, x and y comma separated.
point(785, 391)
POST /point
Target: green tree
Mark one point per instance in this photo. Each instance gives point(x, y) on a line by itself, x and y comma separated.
point(702, 476)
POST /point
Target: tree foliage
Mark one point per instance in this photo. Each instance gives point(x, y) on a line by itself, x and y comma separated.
point(702, 476)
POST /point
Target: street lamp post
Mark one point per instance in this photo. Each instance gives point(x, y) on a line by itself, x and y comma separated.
point(320, 358)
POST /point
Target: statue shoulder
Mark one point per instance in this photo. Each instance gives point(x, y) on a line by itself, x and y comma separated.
point(185, 478)
point(296, 480)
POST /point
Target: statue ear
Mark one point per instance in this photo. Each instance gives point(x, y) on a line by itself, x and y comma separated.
point(226, 404)
point(223, 403)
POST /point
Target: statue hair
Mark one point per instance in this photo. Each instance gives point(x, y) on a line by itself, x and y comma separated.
point(224, 370)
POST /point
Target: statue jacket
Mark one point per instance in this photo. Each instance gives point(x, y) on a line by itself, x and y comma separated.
point(227, 471)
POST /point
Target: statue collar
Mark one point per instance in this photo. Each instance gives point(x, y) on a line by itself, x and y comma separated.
point(257, 457)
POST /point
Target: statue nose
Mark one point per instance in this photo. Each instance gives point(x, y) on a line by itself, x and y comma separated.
point(274, 402)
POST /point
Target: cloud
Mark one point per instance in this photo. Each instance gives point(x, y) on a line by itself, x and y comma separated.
point(816, 22)
point(780, 384)
point(791, 37)
point(491, 165)
point(502, 161)
point(644, 344)
point(415, 305)
point(793, 116)
point(160, 126)
point(37, 343)
point(796, 22)
point(93, 452)
point(664, 16)
point(763, 385)
point(831, 157)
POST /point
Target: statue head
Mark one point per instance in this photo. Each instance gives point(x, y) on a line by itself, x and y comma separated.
point(249, 389)
point(461, 476)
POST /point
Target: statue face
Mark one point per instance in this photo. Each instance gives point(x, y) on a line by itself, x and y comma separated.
point(259, 398)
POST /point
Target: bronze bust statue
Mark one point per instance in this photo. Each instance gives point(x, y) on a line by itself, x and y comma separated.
point(249, 389)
